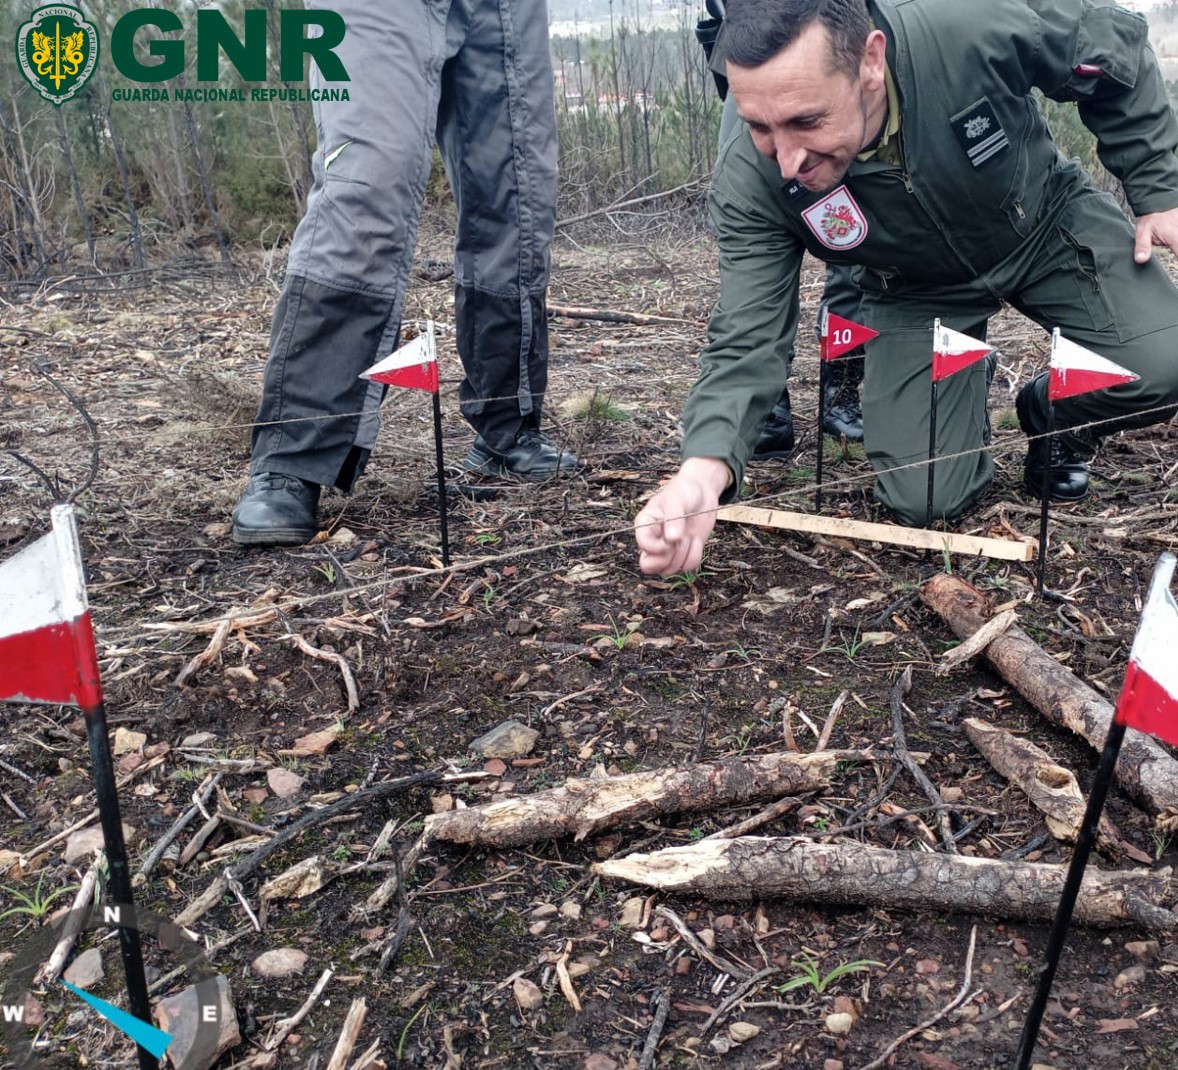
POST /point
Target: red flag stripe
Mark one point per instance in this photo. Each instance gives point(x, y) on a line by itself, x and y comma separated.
point(1076, 370)
point(39, 666)
point(414, 377)
point(953, 351)
point(414, 365)
point(1147, 705)
point(1149, 697)
point(46, 640)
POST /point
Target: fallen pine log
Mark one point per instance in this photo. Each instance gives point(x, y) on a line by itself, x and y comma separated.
point(1145, 769)
point(755, 867)
point(1052, 788)
point(582, 807)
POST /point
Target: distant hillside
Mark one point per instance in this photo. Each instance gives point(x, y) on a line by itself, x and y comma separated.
point(1163, 33)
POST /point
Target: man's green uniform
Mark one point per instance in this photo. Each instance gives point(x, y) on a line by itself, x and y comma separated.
point(967, 204)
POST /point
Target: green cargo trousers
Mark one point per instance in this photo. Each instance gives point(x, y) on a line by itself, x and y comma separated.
point(1075, 272)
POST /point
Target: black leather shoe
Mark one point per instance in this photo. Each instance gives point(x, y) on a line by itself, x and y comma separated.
point(1066, 472)
point(777, 436)
point(843, 416)
point(276, 510)
point(532, 458)
point(1050, 460)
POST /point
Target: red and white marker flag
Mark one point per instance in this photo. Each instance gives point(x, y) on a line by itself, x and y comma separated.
point(414, 365)
point(1076, 370)
point(953, 351)
point(841, 335)
point(46, 641)
point(1149, 696)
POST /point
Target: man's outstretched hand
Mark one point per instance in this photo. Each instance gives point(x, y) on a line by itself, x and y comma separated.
point(674, 525)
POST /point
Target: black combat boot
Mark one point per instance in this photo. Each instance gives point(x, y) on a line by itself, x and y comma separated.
point(1050, 460)
point(844, 413)
point(777, 436)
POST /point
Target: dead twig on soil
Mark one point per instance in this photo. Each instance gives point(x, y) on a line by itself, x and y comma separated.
point(747, 986)
point(631, 202)
point(662, 1001)
point(828, 728)
point(240, 870)
point(326, 655)
point(51, 971)
point(565, 981)
point(900, 745)
point(770, 813)
point(288, 1025)
point(353, 1023)
point(203, 794)
point(962, 994)
point(698, 946)
point(608, 316)
point(233, 622)
point(977, 642)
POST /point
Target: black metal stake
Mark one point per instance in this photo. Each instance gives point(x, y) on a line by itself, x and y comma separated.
point(1071, 888)
point(441, 481)
point(821, 420)
point(120, 874)
point(932, 454)
point(1045, 497)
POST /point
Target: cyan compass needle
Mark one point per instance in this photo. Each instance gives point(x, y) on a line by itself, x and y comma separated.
point(146, 1036)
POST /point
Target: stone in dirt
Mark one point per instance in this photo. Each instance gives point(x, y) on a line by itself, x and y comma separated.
point(314, 743)
point(1131, 975)
point(527, 994)
point(198, 739)
point(1144, 949)
point(283, 782)
point(179, 1016)
point(742, 1031)
point(279, 962)
point(632, 911)
point(839, 1024)
point(508, 740)
point(127, 741)
point(599, 1061)
point(83, 843)
point(86, 969)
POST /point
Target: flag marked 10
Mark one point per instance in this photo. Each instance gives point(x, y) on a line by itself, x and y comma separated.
point(841, 335)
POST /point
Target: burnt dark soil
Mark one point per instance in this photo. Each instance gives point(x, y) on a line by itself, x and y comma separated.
point(546, 620)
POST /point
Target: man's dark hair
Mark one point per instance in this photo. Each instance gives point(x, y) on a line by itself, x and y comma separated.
point(756, 30)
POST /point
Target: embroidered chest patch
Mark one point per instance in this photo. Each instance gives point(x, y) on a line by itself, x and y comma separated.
point(836, 220)
point(979, 132)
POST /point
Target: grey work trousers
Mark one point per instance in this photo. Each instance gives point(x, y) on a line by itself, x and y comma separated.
point(476, 75)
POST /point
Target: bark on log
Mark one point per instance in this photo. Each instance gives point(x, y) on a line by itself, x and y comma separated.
point(754, 867)
point(1145, 769)
point(582, 807)
point(1052, 788)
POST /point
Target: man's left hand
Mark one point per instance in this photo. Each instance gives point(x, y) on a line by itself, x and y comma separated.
point(1157, 228)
